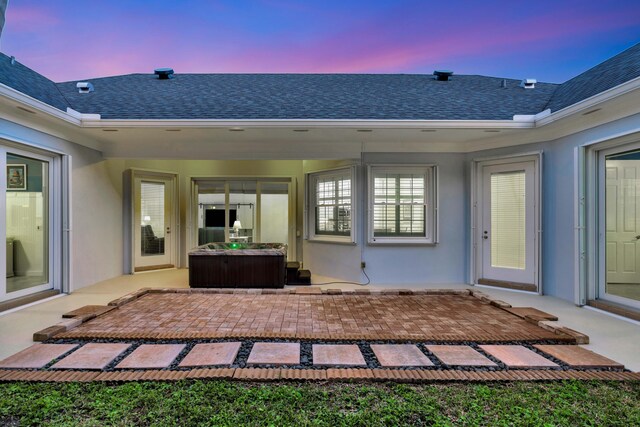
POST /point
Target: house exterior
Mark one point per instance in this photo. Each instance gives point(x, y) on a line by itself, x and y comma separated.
point(426, 179)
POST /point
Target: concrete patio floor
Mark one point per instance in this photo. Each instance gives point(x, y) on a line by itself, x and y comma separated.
point(612, 337)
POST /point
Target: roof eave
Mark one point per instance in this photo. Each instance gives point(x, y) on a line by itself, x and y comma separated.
point(38, 106)
point(311, 124)
point(591, 102)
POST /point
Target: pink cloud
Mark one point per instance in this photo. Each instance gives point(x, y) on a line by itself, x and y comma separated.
point(29, 18)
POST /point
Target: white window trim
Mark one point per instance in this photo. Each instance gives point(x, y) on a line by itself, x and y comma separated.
point(310, 206)
point(431, 200)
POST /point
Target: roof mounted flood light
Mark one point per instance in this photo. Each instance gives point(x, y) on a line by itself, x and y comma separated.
point(84, 87)
point(442, 75)
point(163, 73)
point(528, 83)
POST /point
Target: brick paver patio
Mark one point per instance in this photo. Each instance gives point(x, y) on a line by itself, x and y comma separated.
point(309, 335)
point(422, 317)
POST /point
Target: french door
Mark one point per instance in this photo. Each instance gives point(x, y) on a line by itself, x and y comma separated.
point(619, 223)
point(154, 222)
point(506, 231)
point(29, 223)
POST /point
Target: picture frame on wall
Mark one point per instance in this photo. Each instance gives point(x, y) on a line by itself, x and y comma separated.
point(17, 177)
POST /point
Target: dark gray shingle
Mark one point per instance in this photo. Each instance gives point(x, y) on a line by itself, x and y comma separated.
point(307, 96)
point(27, 81)
point(613, 72)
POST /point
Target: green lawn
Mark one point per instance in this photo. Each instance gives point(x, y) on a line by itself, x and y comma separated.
point(227, 403)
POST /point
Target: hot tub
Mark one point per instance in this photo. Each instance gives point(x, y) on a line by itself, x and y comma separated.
point(238, 265)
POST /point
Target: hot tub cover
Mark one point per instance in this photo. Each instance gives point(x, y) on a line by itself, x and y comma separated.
point(235, 249)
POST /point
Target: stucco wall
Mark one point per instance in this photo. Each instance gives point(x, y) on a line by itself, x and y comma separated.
point(402, 265)
point(559, 200)
point(96, 208)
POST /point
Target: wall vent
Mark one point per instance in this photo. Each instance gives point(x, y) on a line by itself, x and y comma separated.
point(84, 87)
point(528, 83)
point(442, 75)
point(163, 73)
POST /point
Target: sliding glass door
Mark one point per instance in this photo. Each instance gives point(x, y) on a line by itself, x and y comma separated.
point(243, 210)
point(27, 199)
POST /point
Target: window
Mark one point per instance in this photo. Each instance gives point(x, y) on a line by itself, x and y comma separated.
point(331, 202)
point(402, 204)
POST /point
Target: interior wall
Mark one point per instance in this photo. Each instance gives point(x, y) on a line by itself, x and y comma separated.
point(275, 218)
point(25, 225)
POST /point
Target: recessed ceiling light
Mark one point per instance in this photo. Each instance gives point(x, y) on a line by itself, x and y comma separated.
point(301, 130)
point(109, 130)
point(427, 130)
point(25, 109)
point(173, 130)
point(492, 130)
point(591, 112)
point(365, 130)
point(236, 130)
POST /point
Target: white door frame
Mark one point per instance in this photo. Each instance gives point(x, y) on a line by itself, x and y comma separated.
point(599, 290)
point(130, 177)
point(476, 258)
point(57, 222)
point(192, 210)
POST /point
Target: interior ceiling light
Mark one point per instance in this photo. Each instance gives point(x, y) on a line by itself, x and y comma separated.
point(25, 109)
point(591, 112)
point(236, 130)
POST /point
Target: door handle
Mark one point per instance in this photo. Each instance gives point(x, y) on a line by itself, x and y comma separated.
point(168, 230)
point(638, 237)
point(485, 236)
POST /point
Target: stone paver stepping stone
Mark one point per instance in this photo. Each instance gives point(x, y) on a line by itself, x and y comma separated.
point(459, 355)
point(152, 356)
point(337, 355)
point(220, 353)
point(36, 356)
point(578, 357)
point(517, 356)
point(92, 356)
point(275, 353)
point(398, 355)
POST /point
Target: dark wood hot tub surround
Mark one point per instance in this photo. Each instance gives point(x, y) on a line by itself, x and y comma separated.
point(235, 265)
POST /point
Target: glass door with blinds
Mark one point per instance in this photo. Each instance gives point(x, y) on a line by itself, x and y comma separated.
point(153, 223)
point(507, 233)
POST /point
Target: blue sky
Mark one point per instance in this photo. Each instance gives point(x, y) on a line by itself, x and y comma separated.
point(548, 40)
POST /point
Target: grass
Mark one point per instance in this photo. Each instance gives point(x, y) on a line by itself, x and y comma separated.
point(225, 403)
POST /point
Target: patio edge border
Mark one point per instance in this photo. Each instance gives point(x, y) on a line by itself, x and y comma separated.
point(333, 375)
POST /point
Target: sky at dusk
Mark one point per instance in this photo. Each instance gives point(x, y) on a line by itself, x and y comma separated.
point(548, 40)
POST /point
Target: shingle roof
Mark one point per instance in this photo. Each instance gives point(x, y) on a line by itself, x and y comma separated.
point(27, 81)
point(318, 96)
point(306, 96)
point(613, 72)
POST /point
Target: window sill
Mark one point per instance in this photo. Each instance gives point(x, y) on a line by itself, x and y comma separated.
point(347, 241)
point(400, 242)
